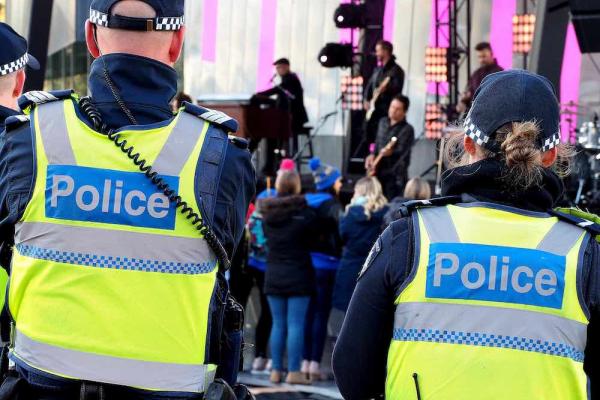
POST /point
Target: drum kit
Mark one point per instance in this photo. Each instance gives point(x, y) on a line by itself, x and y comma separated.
point(583, 185)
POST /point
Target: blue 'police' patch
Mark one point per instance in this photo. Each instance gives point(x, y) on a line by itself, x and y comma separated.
point(495, 273)
point(113, 197)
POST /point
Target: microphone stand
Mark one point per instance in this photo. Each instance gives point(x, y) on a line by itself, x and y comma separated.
point(314, 133)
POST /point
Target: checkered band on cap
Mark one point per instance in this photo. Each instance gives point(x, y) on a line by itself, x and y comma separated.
point(169, 23)
point(98, 18)
point(475, 133)
point(551, 142)
point(14, 66)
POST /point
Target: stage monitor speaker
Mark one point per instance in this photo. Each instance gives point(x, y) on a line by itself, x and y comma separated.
point(585, 15)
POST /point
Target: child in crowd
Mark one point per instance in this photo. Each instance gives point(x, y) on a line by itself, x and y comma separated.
point(325, 255)
point(359, 227)
point(289, 226)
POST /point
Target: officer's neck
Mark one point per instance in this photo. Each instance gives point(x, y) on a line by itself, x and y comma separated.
point(145, 85)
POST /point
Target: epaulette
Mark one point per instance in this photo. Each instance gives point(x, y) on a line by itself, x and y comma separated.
point(218, 118)
point(15, 121)
point(405, 209)
point(238, 142)
point(37, 97)
point(587, 221)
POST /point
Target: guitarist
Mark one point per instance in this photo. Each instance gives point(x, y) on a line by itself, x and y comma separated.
point(387, 88)
point(392, 170)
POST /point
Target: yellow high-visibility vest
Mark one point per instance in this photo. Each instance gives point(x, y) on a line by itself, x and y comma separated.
point(492, 308)
point(110, 283)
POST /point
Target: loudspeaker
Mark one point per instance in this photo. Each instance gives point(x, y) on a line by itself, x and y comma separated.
point(585, 15)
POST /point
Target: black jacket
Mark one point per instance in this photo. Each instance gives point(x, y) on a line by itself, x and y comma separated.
point(289, 227)
point(370, 317)
point(396, 74)
point(395, 166)
point(359, 233)
point(5, 112)
point(291, 84)
point(328, 210)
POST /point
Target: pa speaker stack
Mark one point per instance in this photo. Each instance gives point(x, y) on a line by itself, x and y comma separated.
point(585, 15)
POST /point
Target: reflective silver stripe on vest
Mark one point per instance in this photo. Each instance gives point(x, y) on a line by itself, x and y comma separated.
point(179, 146)
point(490, 327)
point(110, 242)
point(439, 225)
point(561, 238)
point(55, 135)
point(118, 371)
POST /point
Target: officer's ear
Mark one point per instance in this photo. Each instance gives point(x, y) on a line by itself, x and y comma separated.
point(470, 146)
point(90, 39)
point(20, 83)
point(549, 157)
point(176, 45)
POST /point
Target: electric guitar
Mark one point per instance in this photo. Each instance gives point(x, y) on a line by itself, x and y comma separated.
point(372, 171)
point(376, 95)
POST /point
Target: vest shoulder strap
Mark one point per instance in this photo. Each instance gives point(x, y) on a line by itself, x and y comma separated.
point(208, 174)
point(584, 220)
point(407, 208)
point(38, 97)
point(215, 117)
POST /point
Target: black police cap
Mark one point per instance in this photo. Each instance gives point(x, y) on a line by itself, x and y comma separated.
point(514, 96)
point(13, 52)
point(169, 16)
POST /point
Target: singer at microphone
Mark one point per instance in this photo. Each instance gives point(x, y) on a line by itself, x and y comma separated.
point(289, 96)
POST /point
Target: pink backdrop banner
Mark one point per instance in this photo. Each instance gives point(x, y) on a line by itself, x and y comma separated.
point(266, 50)
point(443, 40)
point(501, 31)
point(570, 77)
point(209, 30)
point(388, 20)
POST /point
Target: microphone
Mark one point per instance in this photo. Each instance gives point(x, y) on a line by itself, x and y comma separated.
point(273, 78)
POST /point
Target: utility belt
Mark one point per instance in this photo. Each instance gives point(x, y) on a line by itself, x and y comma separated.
point(15, 387)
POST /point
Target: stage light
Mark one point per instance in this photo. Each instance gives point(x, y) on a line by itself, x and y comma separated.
point(523, 28)
point(350, 16)
point(352, 92)
point(436, 64)
point(435, 120)
point(336, 55)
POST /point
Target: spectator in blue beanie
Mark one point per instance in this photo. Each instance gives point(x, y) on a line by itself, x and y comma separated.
point(325, 258)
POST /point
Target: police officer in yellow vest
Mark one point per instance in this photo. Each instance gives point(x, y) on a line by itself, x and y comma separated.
point(123, 227)
point(486, 294)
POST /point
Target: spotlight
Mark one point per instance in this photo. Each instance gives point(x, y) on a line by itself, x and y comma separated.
point(523, 28)
point(336, 55)
point(350, 16)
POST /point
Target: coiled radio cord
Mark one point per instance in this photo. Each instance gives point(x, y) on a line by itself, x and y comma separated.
point(90, 110)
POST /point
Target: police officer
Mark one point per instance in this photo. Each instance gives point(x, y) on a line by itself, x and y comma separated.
point(13, 60)
point(112, 286)
point(486, 294)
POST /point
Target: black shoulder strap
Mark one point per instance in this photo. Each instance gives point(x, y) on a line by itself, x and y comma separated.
point(407, 208)
point(211, 159)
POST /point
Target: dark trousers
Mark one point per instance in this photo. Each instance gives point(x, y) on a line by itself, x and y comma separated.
point(317, 317)
point(241, 284)
point(393, 186)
